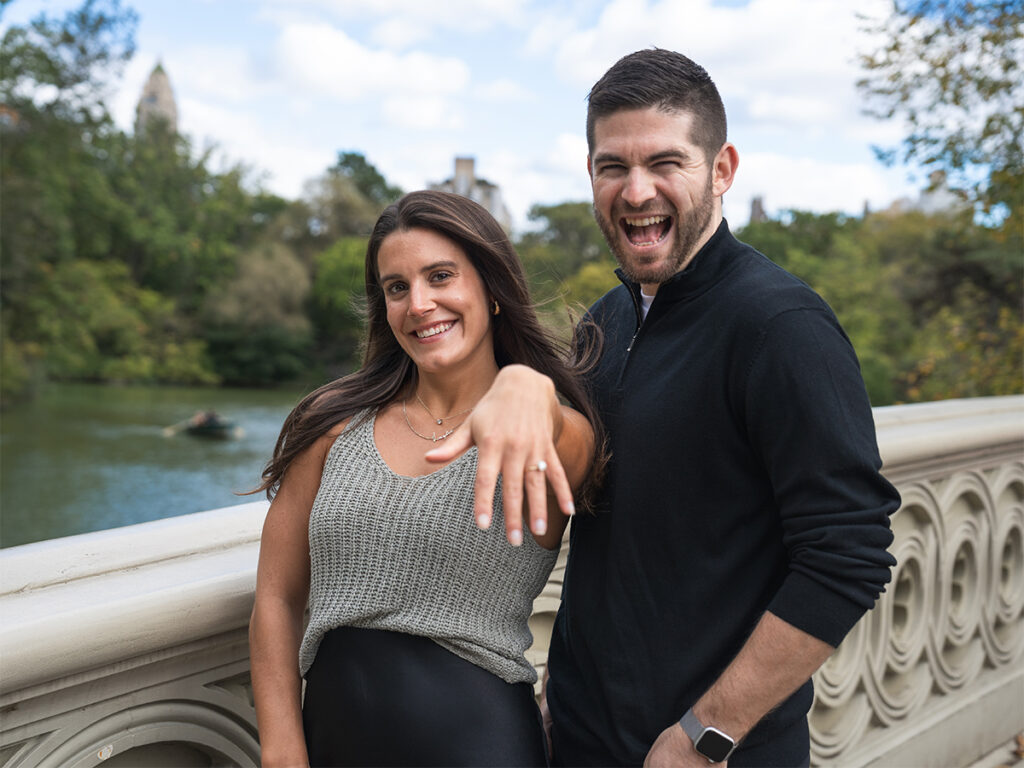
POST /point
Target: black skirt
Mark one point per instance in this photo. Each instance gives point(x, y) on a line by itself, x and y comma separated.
point(377, 698)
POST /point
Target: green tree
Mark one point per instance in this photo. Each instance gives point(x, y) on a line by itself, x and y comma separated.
point(95, 323)
point(366, 178)
point(953, 71)
point(338, 303)
point(592, 281)
point(256, 325)
point(567, 238)
point(60, 67)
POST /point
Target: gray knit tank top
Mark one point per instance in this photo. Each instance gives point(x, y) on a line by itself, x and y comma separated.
point(404, 554)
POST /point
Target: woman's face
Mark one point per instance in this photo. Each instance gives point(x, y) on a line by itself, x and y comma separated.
point(437, 304)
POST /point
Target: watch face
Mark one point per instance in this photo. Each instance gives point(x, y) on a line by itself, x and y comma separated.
point(714, 745)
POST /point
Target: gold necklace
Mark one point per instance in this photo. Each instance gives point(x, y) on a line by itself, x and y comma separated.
point(434, 437)
point(443, 418)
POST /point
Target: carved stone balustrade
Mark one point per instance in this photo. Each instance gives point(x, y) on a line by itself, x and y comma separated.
point(128, 647)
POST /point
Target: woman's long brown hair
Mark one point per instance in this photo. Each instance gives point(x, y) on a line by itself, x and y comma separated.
point(387, 371)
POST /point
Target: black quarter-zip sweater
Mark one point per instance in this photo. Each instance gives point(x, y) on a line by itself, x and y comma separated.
point(744, 477)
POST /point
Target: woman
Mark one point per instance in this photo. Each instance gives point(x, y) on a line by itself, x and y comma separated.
point(413, 654)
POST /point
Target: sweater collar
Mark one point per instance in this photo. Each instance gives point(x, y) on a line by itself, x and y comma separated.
point(706, 268)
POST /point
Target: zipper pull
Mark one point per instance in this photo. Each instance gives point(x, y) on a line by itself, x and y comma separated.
point(632, 341)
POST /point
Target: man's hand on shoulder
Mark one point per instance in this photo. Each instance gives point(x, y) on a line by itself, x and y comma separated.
point(673, 748)
point(515, 427)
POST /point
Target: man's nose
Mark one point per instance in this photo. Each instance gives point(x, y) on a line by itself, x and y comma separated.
point(639, 188)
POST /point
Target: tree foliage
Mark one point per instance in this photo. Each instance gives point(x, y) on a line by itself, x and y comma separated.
point(366, 178)
point(60, 67)
point(952, 69)
point(932, 304)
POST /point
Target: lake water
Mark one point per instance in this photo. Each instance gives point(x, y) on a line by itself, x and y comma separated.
point(84, 458)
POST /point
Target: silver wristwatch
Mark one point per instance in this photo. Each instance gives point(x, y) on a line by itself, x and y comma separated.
point(710, 743)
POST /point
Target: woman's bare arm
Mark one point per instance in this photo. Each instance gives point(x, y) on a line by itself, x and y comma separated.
point(282, 590)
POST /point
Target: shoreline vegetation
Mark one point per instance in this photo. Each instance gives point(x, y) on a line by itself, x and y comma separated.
point(125, 258)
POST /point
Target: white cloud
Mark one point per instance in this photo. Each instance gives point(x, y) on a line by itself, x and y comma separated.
point(503, 91)
point(789, 109)
point(399, 33)
point(222, 73)
point(321, 58)
point(547, 32)
point(422, 113)
point(286, 164)
point(457, 15)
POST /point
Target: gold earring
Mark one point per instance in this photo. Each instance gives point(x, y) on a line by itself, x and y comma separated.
point(497, 307)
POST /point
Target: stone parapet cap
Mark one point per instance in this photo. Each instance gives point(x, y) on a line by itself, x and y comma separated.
point(82, 602)
point(908, 434)
point(59, 561)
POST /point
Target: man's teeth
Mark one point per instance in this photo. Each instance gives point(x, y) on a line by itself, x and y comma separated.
point(434, 331)
point(646, 222)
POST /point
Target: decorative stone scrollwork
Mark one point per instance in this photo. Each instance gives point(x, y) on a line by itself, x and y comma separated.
point(953, 614)
point(1002, 629)
point(196, 732)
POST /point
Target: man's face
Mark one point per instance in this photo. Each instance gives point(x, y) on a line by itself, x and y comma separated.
point(654, 197)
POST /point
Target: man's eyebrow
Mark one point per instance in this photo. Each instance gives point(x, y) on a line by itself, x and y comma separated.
point(435, 265)
point(668, 154)
point(606, 157)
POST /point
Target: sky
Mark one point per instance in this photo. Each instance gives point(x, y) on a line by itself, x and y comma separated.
point(282, 86)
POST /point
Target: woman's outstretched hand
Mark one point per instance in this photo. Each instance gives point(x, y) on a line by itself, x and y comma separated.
point(515, 427)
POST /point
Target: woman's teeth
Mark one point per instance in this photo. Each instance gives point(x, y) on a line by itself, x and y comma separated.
point(433, 331)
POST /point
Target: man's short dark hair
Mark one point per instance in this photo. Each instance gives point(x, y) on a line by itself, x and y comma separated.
point(667, 81)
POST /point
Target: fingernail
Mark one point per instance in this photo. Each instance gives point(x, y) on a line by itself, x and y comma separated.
point(483, 521)
point(540, 526)
point(515, 537)
point(570, 508)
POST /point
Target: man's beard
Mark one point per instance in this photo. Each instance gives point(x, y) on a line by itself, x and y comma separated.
point(686, 233)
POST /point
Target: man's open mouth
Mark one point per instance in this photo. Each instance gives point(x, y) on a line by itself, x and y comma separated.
point(646, 230)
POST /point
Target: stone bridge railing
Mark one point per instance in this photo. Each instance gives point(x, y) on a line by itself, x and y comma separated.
point(128, 647)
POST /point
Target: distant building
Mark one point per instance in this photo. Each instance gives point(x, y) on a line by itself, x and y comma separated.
point(757, 213)
point(466, 183)
point(936, 198)
point(156, 103)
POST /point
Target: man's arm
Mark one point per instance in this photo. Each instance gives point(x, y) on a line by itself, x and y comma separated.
point(515, 425)
point(776, 660)
point(818, 446)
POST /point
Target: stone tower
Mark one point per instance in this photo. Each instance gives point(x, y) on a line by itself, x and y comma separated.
point(465, 182)
point(156, 103)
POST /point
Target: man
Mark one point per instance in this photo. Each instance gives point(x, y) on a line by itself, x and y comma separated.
point(742, 526)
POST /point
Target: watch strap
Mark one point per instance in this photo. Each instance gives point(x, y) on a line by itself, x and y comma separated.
point(691, 725)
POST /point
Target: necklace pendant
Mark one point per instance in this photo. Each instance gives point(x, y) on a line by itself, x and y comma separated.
point(439, 422)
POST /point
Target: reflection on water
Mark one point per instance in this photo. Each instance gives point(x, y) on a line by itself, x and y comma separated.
point(88, 457)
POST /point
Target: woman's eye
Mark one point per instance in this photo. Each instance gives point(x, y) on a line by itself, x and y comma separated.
point(394, 288)
point(439, 276)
